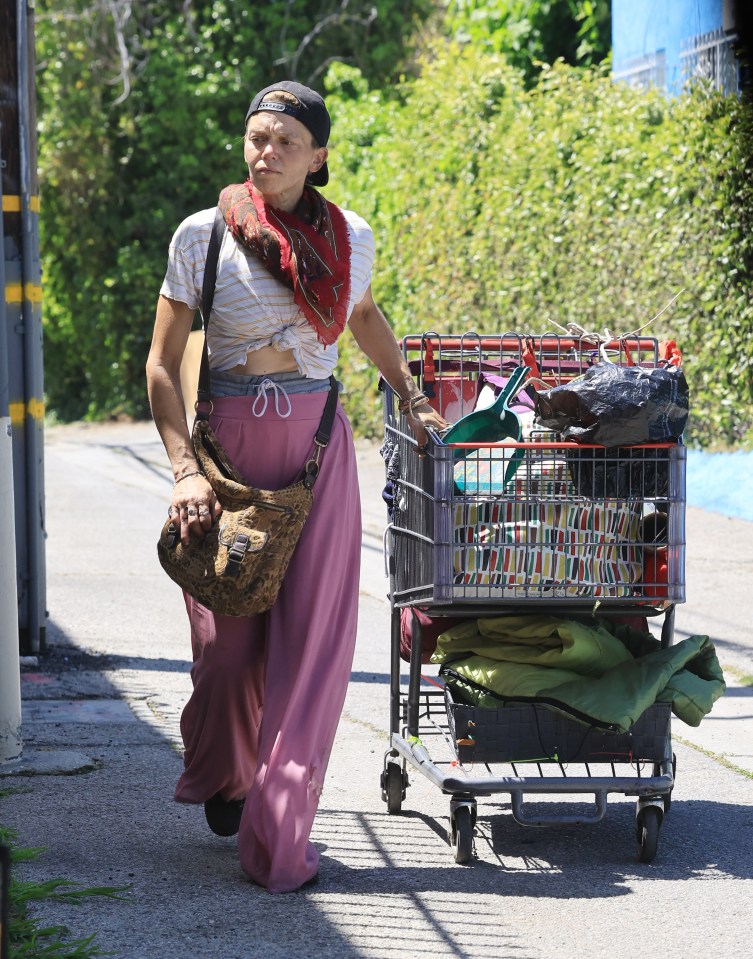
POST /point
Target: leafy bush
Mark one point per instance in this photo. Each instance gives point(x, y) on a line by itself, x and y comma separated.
point(529, 32)
point(498, 208)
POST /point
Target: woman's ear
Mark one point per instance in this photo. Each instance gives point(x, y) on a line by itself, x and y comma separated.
point(320, 158)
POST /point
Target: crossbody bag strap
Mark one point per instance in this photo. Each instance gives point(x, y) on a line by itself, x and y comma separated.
point(311, 470)
point(328, 416)
point(207, 297)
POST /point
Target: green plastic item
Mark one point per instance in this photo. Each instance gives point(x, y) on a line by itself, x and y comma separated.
point(493, 424)
point(497, 422)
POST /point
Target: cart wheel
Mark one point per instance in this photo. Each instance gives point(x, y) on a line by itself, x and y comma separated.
point(647, 832)
point(462, 835)
point(393, 787)
point(668, 796)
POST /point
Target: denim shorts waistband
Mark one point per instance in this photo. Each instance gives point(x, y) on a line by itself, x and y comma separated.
point(240, 384)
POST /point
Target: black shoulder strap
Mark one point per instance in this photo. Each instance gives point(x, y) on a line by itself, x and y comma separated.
point(328, 416)
point(207, 296)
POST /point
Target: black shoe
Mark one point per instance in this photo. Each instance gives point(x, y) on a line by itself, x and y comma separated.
point(223, 816)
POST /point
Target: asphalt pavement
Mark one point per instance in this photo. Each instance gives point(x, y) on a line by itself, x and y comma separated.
point(102, 753)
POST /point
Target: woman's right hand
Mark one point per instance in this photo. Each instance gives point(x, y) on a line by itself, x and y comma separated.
point(195, 505)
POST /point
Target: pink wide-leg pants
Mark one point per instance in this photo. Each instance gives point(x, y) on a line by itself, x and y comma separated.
point(268, 690)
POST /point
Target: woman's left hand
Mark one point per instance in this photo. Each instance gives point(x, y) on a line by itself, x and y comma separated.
point(421, 418)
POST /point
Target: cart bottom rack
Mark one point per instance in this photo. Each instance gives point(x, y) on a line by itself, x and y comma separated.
point(527, 751)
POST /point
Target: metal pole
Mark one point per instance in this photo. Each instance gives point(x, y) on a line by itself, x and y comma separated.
point(10, 677)
point(32, 326)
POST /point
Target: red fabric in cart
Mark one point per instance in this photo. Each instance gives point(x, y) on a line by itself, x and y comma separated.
point(431, 629)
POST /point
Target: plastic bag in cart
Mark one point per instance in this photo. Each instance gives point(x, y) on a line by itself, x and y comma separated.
point(614, 405)
point(619, 473)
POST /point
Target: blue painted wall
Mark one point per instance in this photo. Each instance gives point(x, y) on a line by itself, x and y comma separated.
point(641, 27)
point(721, 482)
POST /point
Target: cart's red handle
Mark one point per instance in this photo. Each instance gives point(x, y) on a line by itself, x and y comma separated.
point(518, 343)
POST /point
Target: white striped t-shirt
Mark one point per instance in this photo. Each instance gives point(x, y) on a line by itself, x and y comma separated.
point(252, 309)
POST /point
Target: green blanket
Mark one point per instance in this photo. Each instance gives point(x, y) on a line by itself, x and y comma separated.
point(598, 673)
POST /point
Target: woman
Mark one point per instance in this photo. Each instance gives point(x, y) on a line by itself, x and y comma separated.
point(293, 269)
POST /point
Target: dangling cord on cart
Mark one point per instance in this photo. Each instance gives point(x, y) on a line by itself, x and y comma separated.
point(602, 339)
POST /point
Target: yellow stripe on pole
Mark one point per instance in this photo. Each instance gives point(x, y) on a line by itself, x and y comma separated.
point(18, 411)
point(12, 204)
point(35, 409)
point(16, 293)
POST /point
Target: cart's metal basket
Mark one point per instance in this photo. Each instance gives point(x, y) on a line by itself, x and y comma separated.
point(534, 522)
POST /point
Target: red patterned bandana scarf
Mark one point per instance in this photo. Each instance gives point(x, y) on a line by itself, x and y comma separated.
point(308, 251)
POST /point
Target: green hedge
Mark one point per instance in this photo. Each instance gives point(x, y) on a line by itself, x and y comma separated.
point(497, 208)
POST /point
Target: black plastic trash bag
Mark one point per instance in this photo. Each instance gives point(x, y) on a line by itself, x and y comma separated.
point(627, 474)
point(617, 406)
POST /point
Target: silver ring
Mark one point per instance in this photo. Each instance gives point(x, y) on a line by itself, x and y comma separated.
point(191, 511)
point(203, 512)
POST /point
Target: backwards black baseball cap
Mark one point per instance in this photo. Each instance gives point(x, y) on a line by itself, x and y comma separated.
point(306, 106)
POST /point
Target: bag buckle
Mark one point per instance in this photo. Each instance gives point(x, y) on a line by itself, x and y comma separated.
point(201, 413)
point(235, 554)
point(311, 469)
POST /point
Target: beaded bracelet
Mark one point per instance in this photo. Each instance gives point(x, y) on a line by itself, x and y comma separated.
point(186, 475)
point(408, 406)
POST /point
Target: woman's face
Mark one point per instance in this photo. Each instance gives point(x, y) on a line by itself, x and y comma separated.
point(280, 153)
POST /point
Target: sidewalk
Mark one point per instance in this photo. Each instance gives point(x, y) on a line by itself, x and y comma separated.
point(102, 754)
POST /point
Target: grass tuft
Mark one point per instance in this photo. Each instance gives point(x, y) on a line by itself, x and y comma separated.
point(27, 938)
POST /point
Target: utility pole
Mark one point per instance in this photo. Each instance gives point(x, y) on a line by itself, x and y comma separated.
point(10, 677)
point(21, 321)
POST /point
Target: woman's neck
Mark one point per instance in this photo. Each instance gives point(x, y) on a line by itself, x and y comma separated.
point(287, 202)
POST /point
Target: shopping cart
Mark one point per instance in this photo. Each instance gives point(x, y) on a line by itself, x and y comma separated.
point(535, 526)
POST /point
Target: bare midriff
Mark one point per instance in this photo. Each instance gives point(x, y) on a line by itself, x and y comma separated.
point(267, 360)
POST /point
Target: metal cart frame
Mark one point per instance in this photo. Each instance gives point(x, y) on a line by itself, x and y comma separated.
point(420, 554)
